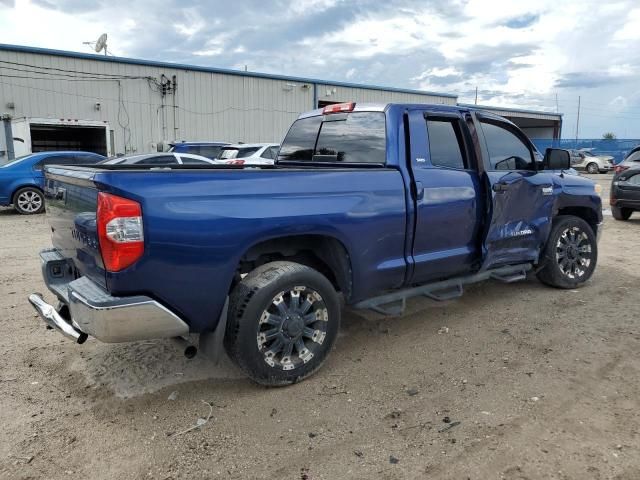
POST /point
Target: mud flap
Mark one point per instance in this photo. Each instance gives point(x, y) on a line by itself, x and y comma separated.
point(211, 343)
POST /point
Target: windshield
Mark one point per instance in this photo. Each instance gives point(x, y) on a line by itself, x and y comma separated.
point(587, 154)
point(228, 153)
point(16, 160)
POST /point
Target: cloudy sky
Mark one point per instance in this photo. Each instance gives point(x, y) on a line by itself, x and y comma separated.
point(517, 53)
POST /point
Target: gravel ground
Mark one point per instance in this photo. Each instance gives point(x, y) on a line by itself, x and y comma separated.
point(512, 381)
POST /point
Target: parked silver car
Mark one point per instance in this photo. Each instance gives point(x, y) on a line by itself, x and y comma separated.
point(585, 160)
point(165, 159)
point(248, 154)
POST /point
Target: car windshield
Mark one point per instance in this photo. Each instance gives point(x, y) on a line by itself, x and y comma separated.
point(587, 154)
point(16, 160)
point(235, 152)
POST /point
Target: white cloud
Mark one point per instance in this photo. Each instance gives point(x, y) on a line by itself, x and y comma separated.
point(518, 54)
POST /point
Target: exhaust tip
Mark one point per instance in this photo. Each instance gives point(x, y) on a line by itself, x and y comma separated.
point(191, 351)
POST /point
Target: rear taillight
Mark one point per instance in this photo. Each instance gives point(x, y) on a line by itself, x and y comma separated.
point(621, 168)
point(119, 231)
point(235, 162)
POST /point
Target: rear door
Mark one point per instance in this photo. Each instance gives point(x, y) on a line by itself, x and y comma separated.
point(521, 197)
point(445, 194)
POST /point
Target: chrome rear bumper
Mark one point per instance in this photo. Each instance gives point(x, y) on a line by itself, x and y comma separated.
point(93, 311)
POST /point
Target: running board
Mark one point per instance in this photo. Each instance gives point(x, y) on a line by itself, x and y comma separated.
point(510, 278)
point(394, 303)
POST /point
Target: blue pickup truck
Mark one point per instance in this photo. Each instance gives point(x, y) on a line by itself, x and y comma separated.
point(367, 204)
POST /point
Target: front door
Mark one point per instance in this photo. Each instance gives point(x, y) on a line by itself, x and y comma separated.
point(520, 211)
point(446, 189)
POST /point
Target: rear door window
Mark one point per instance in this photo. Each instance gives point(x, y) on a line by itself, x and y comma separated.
point(357, 137)
point(445, 143)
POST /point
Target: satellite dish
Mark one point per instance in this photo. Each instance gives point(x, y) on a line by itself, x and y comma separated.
point(101, 44)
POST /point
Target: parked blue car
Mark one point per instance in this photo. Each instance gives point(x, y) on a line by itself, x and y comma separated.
point(22, 179)
point(206, 149)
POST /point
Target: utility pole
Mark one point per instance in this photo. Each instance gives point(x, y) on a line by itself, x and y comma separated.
point(476, 95)
point(578, 122)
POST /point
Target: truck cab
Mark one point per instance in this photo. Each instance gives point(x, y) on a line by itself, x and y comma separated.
point(370, 203)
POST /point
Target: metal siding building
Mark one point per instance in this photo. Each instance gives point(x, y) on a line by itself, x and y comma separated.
point(58, 90)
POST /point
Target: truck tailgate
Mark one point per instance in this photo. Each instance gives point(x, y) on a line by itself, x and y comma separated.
point(71, 203)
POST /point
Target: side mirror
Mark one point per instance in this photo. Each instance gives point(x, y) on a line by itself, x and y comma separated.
point(557, 159)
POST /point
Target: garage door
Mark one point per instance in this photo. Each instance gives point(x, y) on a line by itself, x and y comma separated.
point(45, 138)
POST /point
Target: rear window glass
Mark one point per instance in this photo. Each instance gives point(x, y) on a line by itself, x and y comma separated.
point(301, 139)
point(227, 153)
point(358, 137)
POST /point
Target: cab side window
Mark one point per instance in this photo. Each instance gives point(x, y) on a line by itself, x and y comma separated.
point(506, 150)
point(445, 143)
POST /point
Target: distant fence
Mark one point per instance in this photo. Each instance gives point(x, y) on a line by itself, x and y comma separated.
point(616, 148)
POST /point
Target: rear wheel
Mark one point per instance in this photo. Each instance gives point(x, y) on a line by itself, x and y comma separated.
point(283, 321)
point(570, 255)
point(28, 200)
point(621, 213)
point(593, 168)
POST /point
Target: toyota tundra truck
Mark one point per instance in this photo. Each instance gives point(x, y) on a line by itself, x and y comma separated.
point(367, 205)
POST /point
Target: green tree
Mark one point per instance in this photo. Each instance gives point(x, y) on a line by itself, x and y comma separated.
point(609, 136)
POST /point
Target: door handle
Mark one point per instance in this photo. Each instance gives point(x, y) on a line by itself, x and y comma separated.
point(500, 187)
point(418, 190)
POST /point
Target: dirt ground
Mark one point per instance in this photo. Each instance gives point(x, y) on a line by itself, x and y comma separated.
point(534, 383)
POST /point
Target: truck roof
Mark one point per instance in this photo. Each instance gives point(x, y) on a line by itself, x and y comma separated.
point(382, 107)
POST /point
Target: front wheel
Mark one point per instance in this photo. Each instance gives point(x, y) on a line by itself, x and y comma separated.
point(28, 200)
point(621, 213)
point(570, 255)
point(283, 320)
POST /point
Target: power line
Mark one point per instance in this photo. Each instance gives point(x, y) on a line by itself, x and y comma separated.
point(66, 70)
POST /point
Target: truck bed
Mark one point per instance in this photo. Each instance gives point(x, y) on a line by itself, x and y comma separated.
point(199, 221)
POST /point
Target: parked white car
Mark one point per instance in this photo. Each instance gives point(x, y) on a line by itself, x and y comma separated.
point(585, 160)
point(160, 159)
point(248, 154)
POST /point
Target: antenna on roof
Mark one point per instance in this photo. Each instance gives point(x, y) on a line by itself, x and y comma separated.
point(100, 44)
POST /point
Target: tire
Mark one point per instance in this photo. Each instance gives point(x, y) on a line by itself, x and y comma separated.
point(621, 213)
point(274, 337)
point(28, 201)
point(570, 255)
point(593, 168)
